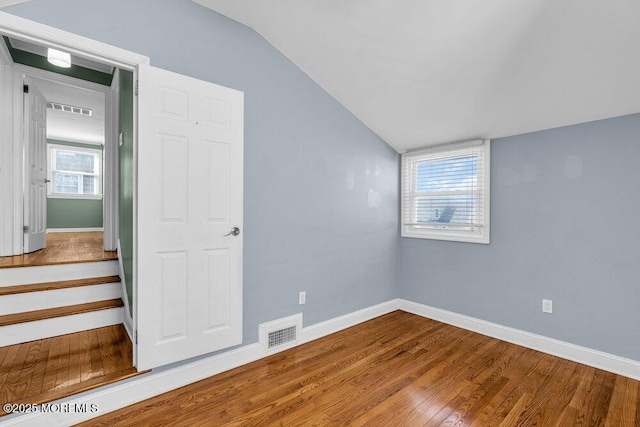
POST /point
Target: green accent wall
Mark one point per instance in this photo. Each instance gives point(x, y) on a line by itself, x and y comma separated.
point(41, 62)
point(126, 181)
point(74, 213)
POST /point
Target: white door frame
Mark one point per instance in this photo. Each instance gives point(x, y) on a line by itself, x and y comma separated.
point(14, 26)
point(7, 229)
point(110, 191)
point(38, 33)
point(24, 29)
point(111, 187)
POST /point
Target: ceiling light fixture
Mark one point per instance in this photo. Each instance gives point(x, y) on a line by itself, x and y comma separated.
point(58, 58)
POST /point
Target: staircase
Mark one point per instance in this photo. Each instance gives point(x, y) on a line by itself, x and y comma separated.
point(39, 302)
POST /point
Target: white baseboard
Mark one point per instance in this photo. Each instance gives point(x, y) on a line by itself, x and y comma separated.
point(587, 356)
point(74, 230)
point(163, 380)
point(336, 324)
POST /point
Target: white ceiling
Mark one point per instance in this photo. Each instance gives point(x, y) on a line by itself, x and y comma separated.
point(68, 126)
point(425, 72)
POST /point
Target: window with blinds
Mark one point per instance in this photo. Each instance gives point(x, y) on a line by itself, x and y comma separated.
point(74, 172)
point(445, 192)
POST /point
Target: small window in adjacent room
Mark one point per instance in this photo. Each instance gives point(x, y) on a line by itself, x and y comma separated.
point(75, 172)
point(445, 192)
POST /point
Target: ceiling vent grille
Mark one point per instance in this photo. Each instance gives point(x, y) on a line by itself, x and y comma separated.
point(280, 334)
point(69, 108)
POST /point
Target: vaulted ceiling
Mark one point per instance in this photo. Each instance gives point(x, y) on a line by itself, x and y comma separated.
point(426, 72)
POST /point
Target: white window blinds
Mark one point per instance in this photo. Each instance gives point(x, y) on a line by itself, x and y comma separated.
point(445, 193)
point(74, 172)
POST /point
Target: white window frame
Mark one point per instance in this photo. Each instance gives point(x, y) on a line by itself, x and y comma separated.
point(51, 148)
point(477, 234)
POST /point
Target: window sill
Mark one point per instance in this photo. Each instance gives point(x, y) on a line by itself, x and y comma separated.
point(451, 236)
point(75, 196)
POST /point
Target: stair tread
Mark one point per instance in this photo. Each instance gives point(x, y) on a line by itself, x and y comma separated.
point(63, 284)
point(81, 387)
point(30, 316)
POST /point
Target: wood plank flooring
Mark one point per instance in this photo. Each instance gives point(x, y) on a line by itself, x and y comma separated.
point(50, 313)
point(52, 286)
point(398, 369)
point(52, 368)
point(64, 248)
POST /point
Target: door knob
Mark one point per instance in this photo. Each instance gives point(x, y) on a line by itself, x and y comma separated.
point(234, 232)
point(47, 180)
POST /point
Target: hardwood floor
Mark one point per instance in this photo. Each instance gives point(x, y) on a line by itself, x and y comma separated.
point(64, 248)
point(52, 368)
point(398, 369)
point(51, 286)
point(50, 313)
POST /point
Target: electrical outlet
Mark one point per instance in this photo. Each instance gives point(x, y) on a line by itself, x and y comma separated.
point(547, 306)
point(302, 298)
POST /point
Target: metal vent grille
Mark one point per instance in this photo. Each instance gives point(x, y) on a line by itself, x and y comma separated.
point(69, 108)
point(282, 336)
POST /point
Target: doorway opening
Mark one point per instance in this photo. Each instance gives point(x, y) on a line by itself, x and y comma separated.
point(180, 213)
point(66, 173)
point(65, 127)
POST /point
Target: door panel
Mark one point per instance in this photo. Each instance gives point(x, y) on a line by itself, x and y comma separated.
point(174, 164)
point(35, 137)
point(190, 166)
point(217, 156)
point(218, 286)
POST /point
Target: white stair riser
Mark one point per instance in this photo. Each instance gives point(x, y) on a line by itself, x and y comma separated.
point(30, 331)
point(31, 301)
point(54, 273)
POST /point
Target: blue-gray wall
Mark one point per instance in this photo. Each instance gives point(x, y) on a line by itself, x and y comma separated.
point(321, 199)
point(564, 212)
point(320, 192)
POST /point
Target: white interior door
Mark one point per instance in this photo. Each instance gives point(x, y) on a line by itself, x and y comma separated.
point(189, 264)
point(35, 189)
